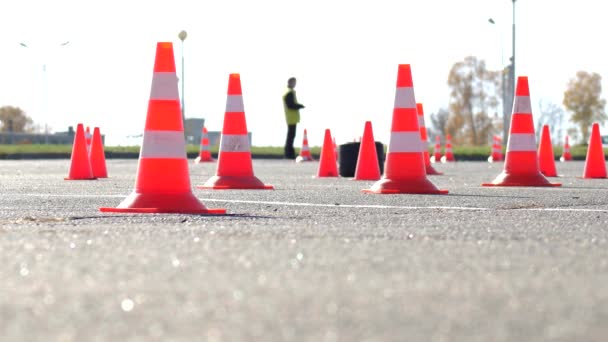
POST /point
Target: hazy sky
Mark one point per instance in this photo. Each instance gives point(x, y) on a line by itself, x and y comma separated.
point(344, 54)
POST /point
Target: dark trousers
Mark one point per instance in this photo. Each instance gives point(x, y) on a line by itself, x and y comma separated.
point(290, 153)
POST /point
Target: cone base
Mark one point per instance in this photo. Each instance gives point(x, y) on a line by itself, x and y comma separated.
point(231, 182)
point(92, 178)
point(510, 179)
point(162, 203)
point(199, 160)
point(300, 159)
point(366, 178)
point(413, 186)
point(430, 170)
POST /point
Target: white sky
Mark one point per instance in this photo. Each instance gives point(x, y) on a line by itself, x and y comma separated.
point(344, 54)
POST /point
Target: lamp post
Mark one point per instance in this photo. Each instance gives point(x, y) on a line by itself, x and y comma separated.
point(44, 86)
point(508, 94)
point(182, 36)
point(512, 69)
point(503, 82)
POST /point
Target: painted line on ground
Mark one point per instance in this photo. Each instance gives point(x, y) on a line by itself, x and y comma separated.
point(327, 205)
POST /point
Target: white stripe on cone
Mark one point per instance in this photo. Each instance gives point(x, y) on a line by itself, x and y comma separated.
point(164, 86)
point(405, 142)
point(234, 104)
point(521, 142)
point(404, 98)
point(234, 143)
point(522, 105)
point(163, 144)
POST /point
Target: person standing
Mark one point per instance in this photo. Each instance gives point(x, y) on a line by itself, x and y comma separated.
point(292, 116)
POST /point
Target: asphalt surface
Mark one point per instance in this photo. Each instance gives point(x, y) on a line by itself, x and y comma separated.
point(313, 260)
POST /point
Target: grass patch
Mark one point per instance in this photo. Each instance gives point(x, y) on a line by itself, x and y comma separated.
point(24, 151)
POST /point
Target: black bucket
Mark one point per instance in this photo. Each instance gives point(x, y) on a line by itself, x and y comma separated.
point(348, 154)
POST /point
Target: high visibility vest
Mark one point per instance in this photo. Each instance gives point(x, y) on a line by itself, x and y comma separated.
point(292, 116)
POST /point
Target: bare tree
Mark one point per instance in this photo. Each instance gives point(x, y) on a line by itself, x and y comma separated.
point(552, 115)
point(582, 99)
point(474, 93)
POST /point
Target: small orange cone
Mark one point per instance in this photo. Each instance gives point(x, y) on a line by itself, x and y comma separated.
point(449, 155)
point(305, 151)
point(328, 166)
point(97, 156)
point(163, 180)
point(595, 162)
point(234, 164)
point(496, 155)
point(521, 163)
point(425, 141)
point(404, 167)
point(367, 162)
point(88, 137)
point(80, 166)
point(566, 156)
point(204, 154)
point(546, 158)
point(436, 158)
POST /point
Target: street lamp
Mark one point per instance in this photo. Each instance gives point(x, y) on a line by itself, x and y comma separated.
point(182, 36)
point(506, 107)
point(508, 99)
point(44, 85)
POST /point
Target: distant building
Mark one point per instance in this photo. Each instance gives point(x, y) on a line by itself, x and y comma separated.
point(58, 138)
point(193, 129)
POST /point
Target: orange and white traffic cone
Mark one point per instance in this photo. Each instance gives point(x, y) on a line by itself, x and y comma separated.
point(521, 162)
point(88, 138)
point(449, 155)
point(496, 155)
point(436, 158)
point(163, 180)
point(305, 151)
point(566, 156)
point(595, 162)
point(404, 168)
point(425, 141)
point(97, 156)
point(80, 164)
point(328, 166)
point(204, 154)
point(367, 161)
point(234, 164)
point(546, 158)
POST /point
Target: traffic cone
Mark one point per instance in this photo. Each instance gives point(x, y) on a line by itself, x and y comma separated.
point(162, 184)
point(546, 158)
point(328, 166)
point(566, 156)
point(595, 162)
point(496, 155)
point(425, 141)
point(204, 154)
point(367, 162)
point(234, 164)
point(97, 156)
point(449, 155)
point(305, 151)
point(436, 158)
point(404, 167)
point(80, 165)
point(521, 162)
point(88, 138)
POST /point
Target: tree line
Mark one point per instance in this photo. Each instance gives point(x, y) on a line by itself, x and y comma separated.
point(476, 95)
point(472, 116)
